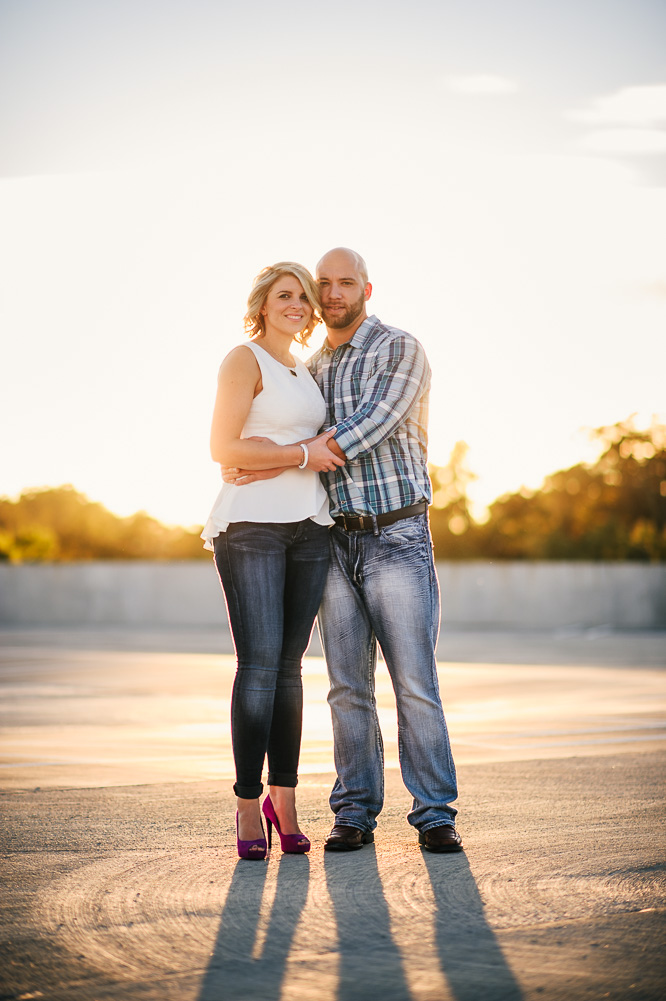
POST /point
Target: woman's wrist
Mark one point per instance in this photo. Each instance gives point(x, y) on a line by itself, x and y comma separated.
point(293, 454)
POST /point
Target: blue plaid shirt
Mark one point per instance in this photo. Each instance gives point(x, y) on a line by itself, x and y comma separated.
point(376, 391)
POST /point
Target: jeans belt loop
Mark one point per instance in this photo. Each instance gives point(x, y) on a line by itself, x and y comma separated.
point(375, 526)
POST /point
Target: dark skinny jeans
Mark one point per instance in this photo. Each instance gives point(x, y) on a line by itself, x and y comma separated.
point(273, 578)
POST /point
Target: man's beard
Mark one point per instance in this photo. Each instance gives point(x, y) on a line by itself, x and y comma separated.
point(344, 319)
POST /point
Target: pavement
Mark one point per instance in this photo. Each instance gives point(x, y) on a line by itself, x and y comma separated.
point(117, 845)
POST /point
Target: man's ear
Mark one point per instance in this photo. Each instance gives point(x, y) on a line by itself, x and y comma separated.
point(368, 291)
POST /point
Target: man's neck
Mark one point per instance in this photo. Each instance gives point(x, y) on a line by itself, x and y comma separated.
point(337, 337)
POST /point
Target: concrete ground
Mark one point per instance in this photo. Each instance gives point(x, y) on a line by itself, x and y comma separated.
point(117, 853)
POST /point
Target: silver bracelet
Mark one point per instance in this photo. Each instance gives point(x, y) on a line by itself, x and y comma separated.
point(306, 455)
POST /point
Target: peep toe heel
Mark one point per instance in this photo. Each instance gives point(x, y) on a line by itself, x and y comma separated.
point(251, 849)
point(291, 844)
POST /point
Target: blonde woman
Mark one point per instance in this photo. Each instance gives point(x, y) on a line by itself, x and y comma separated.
point(270, 540)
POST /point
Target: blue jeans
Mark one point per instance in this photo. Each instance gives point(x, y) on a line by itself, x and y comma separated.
point(383, 589)
point(273, 576)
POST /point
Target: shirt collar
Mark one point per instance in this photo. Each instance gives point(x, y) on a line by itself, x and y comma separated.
point(360, 336)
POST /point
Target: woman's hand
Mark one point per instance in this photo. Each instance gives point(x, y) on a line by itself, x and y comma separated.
point(320, 456)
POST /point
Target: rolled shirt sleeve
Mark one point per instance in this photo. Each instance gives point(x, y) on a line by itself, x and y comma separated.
point(399, 377)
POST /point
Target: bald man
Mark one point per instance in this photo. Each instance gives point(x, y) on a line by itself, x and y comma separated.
point(382, 587)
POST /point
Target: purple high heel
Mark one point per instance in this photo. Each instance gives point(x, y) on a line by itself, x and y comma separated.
point(292, 844)
point(251, 849)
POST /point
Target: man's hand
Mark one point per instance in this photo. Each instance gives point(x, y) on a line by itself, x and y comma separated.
point(240, 477)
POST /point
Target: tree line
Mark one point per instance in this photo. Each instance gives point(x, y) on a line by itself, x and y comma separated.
point(613, 509)
point(59, 524)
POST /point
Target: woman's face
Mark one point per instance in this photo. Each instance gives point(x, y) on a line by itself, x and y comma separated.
point(286, 310)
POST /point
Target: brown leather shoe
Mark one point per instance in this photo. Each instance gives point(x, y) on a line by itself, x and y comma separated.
point(444, 838)
point(344, 838)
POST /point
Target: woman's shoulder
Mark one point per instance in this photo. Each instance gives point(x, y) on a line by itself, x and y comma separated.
point(241, 361)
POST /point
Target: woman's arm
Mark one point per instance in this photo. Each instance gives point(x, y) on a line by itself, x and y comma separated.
point(238, 383)
point(238, 476)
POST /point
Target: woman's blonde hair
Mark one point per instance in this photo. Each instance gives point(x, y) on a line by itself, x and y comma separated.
point(263, 283)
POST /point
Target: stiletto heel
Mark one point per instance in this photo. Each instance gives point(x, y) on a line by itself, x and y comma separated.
point(292, 844)
point(251, 849)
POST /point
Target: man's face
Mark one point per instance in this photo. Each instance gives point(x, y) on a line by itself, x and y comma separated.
point(343, 291)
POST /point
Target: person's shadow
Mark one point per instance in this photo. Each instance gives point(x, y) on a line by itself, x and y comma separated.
point(233, 972)
point(469, 953)
point(370, 963)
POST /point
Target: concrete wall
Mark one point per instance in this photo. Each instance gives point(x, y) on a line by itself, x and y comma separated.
point(474, 595)
point(553, 595)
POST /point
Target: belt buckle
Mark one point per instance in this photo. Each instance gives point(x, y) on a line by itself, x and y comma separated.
point(348, 520)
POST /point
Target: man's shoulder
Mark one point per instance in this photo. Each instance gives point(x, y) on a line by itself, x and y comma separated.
point(373, 337)
point(383, 334)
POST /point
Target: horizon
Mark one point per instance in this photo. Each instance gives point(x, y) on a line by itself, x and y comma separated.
point(478, 515)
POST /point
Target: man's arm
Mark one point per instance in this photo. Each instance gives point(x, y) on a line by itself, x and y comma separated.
point(336, 450)
point(241, 477)
point(400, 378)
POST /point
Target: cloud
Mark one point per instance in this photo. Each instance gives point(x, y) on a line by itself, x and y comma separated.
point(482, 83)
point(627, 141)
point(627, 121)
point(633, 106)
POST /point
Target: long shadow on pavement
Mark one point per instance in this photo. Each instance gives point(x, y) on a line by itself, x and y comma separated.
point(370, 963)
point(232, 971)
point(469, 953)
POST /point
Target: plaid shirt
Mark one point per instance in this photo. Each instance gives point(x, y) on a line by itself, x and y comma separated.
point(376, 391)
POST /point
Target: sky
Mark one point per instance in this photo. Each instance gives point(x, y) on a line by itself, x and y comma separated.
point(500, 166)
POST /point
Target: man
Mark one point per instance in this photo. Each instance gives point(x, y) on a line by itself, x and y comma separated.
point(382, 587)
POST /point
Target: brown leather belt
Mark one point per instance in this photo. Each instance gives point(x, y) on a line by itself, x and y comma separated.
point(367, 522)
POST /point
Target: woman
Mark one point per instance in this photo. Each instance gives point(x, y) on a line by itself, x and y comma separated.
point(270, 540)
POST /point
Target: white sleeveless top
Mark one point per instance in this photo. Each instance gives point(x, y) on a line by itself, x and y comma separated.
point(286, 410)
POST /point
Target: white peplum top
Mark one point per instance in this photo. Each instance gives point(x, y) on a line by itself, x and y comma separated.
point(287, 409)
